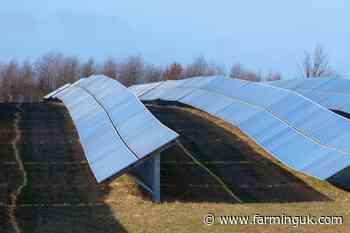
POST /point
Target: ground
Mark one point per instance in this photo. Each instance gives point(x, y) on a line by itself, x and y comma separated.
point(61, 195)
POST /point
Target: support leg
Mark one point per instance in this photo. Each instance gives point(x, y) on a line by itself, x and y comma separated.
point(156, 178)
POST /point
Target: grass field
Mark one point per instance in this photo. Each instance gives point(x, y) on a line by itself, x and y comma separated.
point(62, 196)
point(140, 215)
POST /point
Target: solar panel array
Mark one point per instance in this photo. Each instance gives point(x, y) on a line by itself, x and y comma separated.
point(114, 127)
point(297, 131)
point(333, 93)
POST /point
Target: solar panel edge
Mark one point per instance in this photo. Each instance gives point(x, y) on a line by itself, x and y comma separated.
point(57, 91)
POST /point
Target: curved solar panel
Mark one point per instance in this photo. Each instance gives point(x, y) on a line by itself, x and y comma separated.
point(114, 127)
point(136, 125)
point(299, 132)
point(333, 93)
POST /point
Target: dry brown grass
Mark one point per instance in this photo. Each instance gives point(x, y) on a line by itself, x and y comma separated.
point(138, 214)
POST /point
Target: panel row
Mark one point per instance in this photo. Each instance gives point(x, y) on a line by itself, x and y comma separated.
point(103, 147)
point(300, 133)
point(114, 127)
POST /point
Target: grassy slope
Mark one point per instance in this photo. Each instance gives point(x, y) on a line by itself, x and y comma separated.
point(140, 215)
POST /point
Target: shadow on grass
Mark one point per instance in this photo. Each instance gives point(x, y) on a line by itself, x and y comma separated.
point(61, 194)
point(246, 173)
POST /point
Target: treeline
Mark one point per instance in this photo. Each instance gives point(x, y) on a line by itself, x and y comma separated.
point(30, 81)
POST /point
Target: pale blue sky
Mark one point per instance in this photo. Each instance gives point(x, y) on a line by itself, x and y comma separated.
point(262, 35)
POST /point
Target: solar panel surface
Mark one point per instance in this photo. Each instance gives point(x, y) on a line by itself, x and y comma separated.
point(114, 127)
point(299, 132)
point(333, 93)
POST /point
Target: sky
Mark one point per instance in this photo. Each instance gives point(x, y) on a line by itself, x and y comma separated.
point(270, 35)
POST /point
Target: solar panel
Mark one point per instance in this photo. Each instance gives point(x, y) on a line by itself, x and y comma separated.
point(114, 127)
point(297, 131)
point(332, 93)
point(133, 121)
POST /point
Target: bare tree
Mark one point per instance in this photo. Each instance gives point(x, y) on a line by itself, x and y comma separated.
point(70, 70)
point(10, 82)
point(152, 74)
point(272, 76)
point(30, 81)
point(317, 64)
point(201, 67)
point(131, 71)
point(88, 68)
point(216, 69)
point(49, 69)
point(27, 84)
point(174, 72)
point(238, 72)
point(110, 68)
